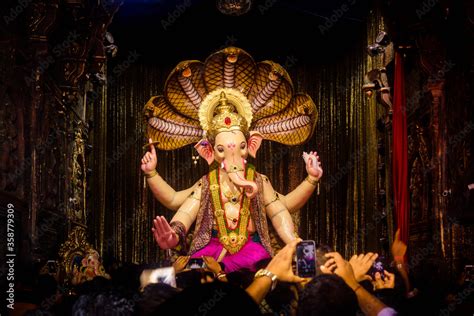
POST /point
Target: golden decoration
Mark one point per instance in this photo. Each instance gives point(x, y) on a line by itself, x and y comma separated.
point(223, 102)
point(232, 240)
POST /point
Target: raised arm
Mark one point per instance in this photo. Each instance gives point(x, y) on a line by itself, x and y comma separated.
point(162, 191)
point(297, 198)
point(278, 213)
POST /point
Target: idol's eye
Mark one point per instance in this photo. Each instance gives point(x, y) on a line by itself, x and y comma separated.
point(220, 149)
point(243, 145)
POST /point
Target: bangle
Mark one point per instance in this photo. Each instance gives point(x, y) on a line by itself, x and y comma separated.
point(220, 275)
point(399, 258)
point(313, 182)
point(151, 174)
point(357, 288)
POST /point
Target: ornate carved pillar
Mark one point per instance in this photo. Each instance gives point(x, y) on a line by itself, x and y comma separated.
point(40, 19)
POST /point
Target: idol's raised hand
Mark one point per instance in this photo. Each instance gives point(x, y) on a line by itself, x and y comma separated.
point(313, 165)
point(164, 235)
point(149, 160)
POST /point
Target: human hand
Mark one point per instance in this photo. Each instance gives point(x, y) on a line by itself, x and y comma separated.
point(399, 248)
point(180, 263)
point(336, 264)
point(164, 235)
point(313, 165)
point(361, 264)
point(149, 160)
point(212, 265)
point(388, 282)
point(281, 263)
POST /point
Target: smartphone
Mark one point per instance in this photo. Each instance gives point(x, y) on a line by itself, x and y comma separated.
point(306, 259)
point(377, 266)
point(195, 263)
point(163, 275)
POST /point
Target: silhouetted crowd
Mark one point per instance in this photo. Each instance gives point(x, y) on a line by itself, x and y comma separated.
point(341, 286)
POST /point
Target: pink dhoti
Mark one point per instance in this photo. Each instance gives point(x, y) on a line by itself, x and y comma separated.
point(251, 253)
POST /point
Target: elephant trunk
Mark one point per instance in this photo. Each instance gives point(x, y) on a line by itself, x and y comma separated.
point(237, 176)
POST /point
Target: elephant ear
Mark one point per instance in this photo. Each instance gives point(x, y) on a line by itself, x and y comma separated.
point(169, 128)
point(292, 126)
point(254, 142)
point(205, 150)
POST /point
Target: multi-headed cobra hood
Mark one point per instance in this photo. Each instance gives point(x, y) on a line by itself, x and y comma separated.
point(260, 93)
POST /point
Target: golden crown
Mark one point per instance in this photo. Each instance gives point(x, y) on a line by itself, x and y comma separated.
point(226, 119)
point(225, 110)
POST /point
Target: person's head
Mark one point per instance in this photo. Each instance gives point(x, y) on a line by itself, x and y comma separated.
point(216, 298)
point(188, 278)
point(327, 294)
point(321, 250)
point(153, 296)
point(241, 278)
point(104, 303)
point(283, 299)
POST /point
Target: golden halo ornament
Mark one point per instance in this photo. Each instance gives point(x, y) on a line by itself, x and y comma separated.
point(233, 96)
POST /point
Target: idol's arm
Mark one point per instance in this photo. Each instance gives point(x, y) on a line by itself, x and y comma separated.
point(167, 196)
point(187, 212)
point(162, 191)
point(168, 235)
point(278, 213)
point(295, 200)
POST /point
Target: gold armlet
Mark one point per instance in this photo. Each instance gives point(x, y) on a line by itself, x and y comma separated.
point(275, 198)
point(151, 174)
point(280, 211)
point(193, 196)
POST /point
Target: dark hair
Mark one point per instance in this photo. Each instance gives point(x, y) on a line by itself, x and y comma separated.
point(104, 304)
point(216, 298)
point(153, 296)
point(282, 299)
point(189, 278)
point(241, 278)
point(321, 250)
point(327, 294)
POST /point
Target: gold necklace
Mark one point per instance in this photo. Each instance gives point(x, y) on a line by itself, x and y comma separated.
point(231, 196)
point(232, 239)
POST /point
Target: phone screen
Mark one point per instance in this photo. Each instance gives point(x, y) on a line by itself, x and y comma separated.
point(306, 259)
point(163, 275)
point(377, 267)
point(195, 263)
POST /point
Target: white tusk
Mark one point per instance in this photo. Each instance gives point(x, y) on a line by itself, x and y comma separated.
point(222, 165)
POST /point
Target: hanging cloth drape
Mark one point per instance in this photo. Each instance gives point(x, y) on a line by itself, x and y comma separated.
point(400, 150)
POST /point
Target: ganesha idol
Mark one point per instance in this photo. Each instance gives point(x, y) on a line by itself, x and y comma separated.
point(227, 106)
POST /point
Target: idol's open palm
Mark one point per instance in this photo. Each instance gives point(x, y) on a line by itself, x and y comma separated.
point(164, 235)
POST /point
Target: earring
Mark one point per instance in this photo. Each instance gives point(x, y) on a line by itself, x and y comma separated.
point(195, 159)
